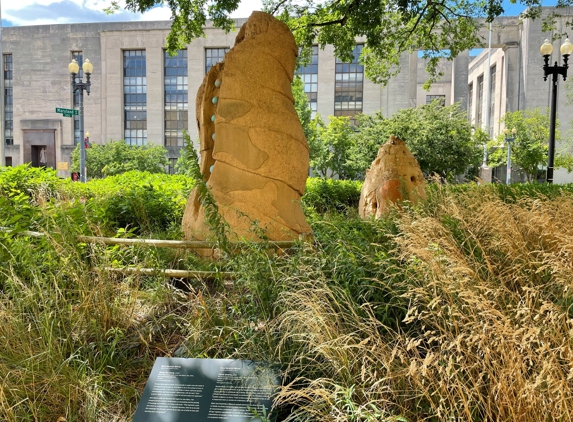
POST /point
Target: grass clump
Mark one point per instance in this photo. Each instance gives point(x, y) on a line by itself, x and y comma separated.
point(457, 309)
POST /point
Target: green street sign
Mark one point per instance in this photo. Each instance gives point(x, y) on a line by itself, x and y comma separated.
point(67, 112)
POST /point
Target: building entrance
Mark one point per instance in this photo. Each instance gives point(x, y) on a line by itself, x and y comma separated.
point(39, 148)
point(39, 156)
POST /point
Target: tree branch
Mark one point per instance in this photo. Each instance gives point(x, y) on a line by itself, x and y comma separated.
point(275, 10)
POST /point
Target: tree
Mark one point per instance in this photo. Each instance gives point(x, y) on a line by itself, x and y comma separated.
point(117, 157)
point(529, 150)
point(439, 137)
point(371, 133)
point(309, 125)
point(389, 27)
point(329, 149)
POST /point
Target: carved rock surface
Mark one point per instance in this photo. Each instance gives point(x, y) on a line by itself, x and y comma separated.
point(394, 176)
point(254, 154)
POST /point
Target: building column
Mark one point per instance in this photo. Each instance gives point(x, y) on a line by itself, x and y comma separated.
point(155, 99)
point(326, 76)
point(459, 89)
point(512, 72)
point(396, 94)
point(413, 80)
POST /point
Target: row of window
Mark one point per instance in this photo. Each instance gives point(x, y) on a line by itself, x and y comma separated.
point(349, 86)
point(8, 102)
point(349, 83)
point(480, 99)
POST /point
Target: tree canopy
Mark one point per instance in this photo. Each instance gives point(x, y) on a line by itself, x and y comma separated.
point(117, 157)
point(439, 137)
point(388, 27)
point(529, 150)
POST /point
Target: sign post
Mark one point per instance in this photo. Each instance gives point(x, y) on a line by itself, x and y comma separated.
point(70, 112)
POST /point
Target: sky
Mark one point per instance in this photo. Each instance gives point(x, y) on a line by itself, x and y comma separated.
point(42, 12)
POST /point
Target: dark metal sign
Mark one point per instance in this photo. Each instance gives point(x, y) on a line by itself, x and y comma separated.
point(208, 390)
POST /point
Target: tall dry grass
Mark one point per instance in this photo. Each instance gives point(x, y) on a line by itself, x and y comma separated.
point(488, 333)
point(76, 341)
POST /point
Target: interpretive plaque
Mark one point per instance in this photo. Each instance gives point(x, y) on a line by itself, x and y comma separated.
point(207, 390)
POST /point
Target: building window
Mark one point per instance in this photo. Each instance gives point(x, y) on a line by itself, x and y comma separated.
point(492, 97)
point(349, 85)
point(470, 101)
point(8, 161)
point(441, 98)
point(171, 166)
point(135, 97)
point(309, 76)
point(176, 98)
point(479, 101)
point(8, 103)
point(78, 57)
point(214, 56)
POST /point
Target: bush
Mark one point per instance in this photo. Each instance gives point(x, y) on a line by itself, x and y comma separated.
point(141, 200)
point(38, 183)
point(117, 157)
point(325, 195)
point(148, 202)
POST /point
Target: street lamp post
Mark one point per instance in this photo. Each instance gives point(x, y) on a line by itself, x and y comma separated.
point(509, 140)
point(80, 85)
point(555, 70)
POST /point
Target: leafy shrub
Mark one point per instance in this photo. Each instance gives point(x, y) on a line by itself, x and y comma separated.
point(37, 183)
point(149, 202)
point(117, 157)
point(141, 200)
point(323, 195)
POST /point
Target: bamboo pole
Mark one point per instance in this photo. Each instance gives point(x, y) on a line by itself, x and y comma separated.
point(23, 232)
point(175, 244)
point(172, 273)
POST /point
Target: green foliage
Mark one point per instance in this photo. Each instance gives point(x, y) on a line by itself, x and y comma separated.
point(117, 157)
point(218, 226)
point(439, 137)
point(140, 200)
point(368, 138)
point(186, 161)
point(371, 320)
point(35, 182)
point(529, 150)
point(328, 195)
point(330, 148)
point(390, 27)
point(303, 110)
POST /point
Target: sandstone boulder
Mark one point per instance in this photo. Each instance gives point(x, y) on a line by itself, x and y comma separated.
point(394, 176)
point(254, 155)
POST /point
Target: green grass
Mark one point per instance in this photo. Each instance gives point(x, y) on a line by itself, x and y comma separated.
point(458, 309)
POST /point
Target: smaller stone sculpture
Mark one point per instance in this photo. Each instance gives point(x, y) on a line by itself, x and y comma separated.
point(394, 176)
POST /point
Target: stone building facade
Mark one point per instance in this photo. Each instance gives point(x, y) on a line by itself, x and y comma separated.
point(144, 96)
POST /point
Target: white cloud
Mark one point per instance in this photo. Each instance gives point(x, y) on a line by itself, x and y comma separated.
point(246, 7)
point(44, 12)
point(157, 14)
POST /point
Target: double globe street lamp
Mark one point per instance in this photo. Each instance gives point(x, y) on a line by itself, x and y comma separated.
point(79, 85)
point(555, 70)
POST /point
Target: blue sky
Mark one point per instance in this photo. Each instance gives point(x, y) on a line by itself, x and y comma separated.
point(40, 12)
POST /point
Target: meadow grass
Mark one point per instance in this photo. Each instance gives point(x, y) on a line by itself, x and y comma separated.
point(458, 309)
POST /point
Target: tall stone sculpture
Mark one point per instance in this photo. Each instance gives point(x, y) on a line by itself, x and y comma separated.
point(394, 176)
point(254, 155)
